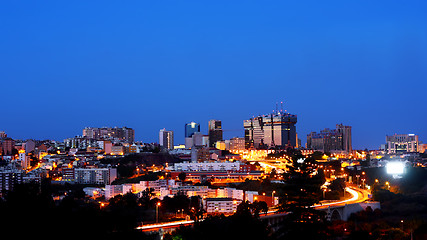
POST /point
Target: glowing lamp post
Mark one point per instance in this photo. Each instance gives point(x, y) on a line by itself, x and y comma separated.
point(272, 198)
point(157, 211)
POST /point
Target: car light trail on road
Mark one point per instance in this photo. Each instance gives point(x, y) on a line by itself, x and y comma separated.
point(358, 195)
point(162, 225)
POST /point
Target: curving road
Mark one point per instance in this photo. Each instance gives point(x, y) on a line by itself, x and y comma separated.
point(358, 195)
point(158, 226)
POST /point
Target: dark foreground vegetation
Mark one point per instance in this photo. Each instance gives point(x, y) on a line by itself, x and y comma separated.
point(32, 211)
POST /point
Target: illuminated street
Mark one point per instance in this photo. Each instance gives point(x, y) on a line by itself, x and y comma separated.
point(358, 195)
point(213, 120)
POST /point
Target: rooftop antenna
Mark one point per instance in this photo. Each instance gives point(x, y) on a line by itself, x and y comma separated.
point(281, 103)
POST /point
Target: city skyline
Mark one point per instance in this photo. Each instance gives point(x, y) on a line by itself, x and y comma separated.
point(206, 133)
point(228, 120)
point(151, 66)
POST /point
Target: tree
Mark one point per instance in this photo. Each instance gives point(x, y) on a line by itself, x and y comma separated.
point(124, 212)
point(302, 190)
point(259, 206)
point(146, 196)
point(368, 158)
point(302, 184)
point(173, 204)
point(273, 173)
point(182, 176)
point(196, 210)
point(241, 225)
point(337, 187)
point(317, 155)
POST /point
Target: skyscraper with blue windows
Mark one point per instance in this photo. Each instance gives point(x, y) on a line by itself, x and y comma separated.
point(191, 128)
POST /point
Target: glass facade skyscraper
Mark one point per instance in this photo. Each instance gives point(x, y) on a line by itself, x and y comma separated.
point(215, 132)
point(276, 130)
point(191, 128)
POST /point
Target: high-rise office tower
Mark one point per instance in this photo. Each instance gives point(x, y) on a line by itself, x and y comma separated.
point(191, 128)
point(215, 132)
point(275, 130)
point(166, 139)
point(346, 137)
point(254, 132)
point(331, 140)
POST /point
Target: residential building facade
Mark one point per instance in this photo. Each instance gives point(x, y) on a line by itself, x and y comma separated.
point(166, 139)
point(402, 143)
point(95, 175)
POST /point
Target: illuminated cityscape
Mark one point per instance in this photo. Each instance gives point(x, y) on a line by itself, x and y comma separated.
point(213, 120)
point(218, 178)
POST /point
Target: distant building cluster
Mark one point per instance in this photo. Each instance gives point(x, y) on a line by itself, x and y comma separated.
point(76, 160)
point(331, 140)
point(205, 158)
point(123, 134)
point(215, 200)
point(219, 171)
point(114, 141)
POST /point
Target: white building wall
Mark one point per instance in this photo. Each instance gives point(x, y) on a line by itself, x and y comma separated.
point(207, 166)
point(113, 190)
point(249, 196)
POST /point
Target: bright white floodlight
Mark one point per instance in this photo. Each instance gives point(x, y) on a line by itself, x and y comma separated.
point(395, 168)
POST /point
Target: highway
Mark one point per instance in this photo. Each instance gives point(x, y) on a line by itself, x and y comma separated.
point(358, 195)
point(157, 226)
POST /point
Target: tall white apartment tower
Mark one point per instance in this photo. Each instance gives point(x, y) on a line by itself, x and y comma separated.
point(166, 139)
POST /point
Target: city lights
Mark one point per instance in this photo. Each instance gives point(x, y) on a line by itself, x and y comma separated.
point(157, 121)
point(395, 168)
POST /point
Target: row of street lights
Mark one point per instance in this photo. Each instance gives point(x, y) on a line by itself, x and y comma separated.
point(157, 211)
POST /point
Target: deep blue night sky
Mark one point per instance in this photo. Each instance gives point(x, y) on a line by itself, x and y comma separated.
point(65, 65)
